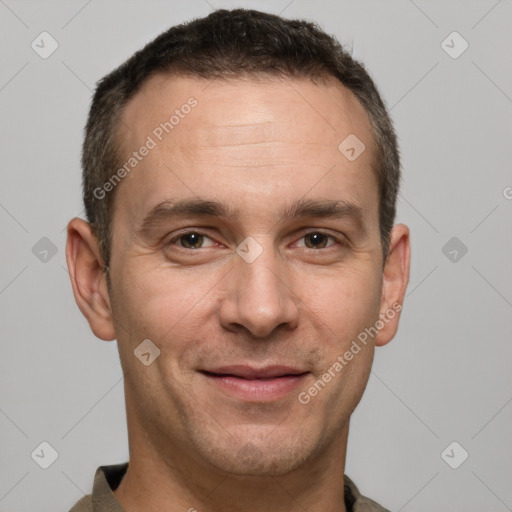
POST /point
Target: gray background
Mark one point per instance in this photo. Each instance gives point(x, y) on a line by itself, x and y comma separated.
point(446, 376)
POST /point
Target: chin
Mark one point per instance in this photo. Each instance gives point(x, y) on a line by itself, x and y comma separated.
point(265, 456)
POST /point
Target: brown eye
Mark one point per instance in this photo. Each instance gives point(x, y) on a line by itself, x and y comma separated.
point(316, 240)
point(191, 240)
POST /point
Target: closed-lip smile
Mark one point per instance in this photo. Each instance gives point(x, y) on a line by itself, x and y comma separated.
point(253, 384)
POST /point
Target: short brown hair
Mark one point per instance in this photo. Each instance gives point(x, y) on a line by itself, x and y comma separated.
point(229, 44)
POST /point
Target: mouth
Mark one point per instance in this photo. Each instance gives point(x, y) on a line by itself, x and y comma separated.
point(256, 384)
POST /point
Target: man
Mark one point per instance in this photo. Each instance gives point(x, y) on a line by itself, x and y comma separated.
point(240, 182)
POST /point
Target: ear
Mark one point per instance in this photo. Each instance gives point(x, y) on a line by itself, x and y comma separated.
point(88, 278)
point(395, 280)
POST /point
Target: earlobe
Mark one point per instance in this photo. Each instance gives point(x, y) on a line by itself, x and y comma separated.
point(395, 280)
point(88, 279)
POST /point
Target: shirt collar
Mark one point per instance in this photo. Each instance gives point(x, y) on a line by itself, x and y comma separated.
point(107, 478)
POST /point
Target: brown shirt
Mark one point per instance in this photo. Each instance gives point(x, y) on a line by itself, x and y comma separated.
point(107, 479)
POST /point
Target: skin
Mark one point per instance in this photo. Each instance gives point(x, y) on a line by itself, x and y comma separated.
point(256, 146)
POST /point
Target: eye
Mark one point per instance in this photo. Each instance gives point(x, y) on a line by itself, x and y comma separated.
point(191, 240)
point(319, 240)
point(197, 240)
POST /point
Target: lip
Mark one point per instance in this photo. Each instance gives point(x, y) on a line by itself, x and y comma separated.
point(248, 372)
point(256, 384)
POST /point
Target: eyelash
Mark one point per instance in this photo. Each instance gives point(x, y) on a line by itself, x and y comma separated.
point(339, 241)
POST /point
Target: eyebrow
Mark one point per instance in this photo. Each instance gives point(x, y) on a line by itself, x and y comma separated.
point(316, 208)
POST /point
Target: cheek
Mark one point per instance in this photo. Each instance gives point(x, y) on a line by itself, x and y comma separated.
point(345, 302)
point(163, 305)
point(344, 306)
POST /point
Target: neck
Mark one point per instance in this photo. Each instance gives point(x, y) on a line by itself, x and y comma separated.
point(156, 481)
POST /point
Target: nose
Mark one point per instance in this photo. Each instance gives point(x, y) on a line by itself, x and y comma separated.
point(259, 296)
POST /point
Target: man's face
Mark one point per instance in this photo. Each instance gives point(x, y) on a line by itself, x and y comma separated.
point(295, 295)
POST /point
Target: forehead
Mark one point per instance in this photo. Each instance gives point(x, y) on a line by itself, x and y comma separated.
point(326, 110)
point(237, 140)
